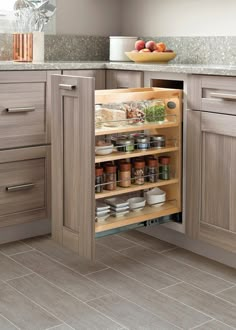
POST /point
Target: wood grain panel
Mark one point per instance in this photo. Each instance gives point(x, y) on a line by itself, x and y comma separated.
point(124, 79)
point(99, 75)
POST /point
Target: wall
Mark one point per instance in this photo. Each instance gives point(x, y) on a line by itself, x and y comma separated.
point(178, 18)
point(88, 17)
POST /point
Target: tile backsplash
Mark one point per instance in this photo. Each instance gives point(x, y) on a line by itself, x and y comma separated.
point(190, 50)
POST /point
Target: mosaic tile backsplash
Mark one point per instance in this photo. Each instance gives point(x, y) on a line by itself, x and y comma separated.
point(190, 50)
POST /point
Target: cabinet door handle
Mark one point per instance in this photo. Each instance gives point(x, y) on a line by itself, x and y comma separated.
point(25, 186)
point(67, 87)
point(18, 110)
point(224, 96)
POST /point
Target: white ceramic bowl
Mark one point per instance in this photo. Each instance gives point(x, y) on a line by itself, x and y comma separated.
point(103, 150)
point(136, 203)
point(156, 196)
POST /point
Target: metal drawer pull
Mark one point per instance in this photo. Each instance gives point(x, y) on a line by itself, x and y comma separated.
point(18, 110)
point(26, 186)
point(67, 87)
point(224, 96)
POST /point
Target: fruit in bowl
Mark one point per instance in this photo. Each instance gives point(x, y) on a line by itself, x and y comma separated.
point(151, 47)
point(139, 44)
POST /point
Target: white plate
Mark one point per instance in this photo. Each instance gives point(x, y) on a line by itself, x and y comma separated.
point(101, 219)
point(116, 202)
point(120, 214)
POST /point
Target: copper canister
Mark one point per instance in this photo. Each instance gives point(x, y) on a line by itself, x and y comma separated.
point(23, 47)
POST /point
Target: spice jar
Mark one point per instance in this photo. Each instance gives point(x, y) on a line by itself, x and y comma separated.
point(152, 170)
point(155, 111)
point(139, 172)
point(125, 175)
point(164, 168)
point(158, 141)
point(125, 145)
point(99, 180)
point(142, 142)
point(110, 173)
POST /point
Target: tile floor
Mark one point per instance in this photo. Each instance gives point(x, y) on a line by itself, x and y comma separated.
point(137, 282)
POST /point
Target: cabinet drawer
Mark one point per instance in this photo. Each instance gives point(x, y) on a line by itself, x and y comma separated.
point(117, 79)
point(24, 185)
point(212, 93)
point(99, 75)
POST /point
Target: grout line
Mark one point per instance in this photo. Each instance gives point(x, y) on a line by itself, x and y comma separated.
point(57, 326)
point(4, 317)
point(199, 325)
point(225, 290)
point(203, 271)
point(15, 254)
point(105, 295)
point(98, 271)
point(168, 250)
point(18, 277)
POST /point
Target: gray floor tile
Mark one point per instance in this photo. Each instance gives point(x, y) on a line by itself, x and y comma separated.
point(62, 327)
point(139, 271)
point(61, 276)
point(229, 295)
point(102, 251)
point(69, 309)
point(213, 325)
point(13, 248)
point(148, 241)
point(22, 312)
point(162, 306)
point(115, 242)
point(131, 315)
point(179, 270)
point(64, 256)
point(205, 302)
point(10, 269)
point(5, 324)
point(205, 264)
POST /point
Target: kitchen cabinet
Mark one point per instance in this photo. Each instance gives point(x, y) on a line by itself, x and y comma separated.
point(99, 75)
point(25, 152)
point(211, 162)
point(117, 79)
point(74, 160)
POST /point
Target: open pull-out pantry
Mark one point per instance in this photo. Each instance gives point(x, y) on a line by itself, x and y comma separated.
point(143, 129)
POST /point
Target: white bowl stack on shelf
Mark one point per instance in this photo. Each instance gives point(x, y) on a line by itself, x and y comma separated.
point(103, 211)
point(119, 207)
point(155, 197)
point(136, 203)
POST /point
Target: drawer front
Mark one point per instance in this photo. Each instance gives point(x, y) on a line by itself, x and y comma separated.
point(213, 94)
point(22, 114)
point(24, 185)
point(117, 79)
point(99, 75)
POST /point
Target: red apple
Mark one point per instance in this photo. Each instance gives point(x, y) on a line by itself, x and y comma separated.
point(151, 45)
point(145, 50)
point(139, 44)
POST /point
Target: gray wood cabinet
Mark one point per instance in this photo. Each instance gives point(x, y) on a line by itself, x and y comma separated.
point(99, 75)
point(211, 171)
point(117, 79)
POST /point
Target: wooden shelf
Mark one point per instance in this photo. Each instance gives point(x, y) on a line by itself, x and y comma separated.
point(135, 217)
point(137, 153)
point(134, 128)
point(134, 188)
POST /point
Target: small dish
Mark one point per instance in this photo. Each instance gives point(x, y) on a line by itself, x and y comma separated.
point(103, 218)
point(119, 209)
point(100, 207)
point(119, 214)
point(104, 150)
point(136, 203)
point(116, 202)
point(102, 213)
point(155, 196)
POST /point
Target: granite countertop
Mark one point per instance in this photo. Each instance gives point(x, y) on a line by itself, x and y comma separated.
point(224, 70)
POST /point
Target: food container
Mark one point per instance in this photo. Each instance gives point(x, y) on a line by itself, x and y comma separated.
point(142, 142)
point(119, 45)
point(125, 145)
point(155, 111)
point(157, 141)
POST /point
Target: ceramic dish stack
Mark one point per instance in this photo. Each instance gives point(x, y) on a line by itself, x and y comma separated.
point(103, 211)
point(155, 197)
point(119, 207)
point(136, 204)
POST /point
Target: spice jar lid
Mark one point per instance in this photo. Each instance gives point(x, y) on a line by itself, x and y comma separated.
point(110, 169)
point(98, 171)
point(158, 138)
point(164, 160)
point(139, 164)
point(125, 166)
point(152, 162)
point(143, 139)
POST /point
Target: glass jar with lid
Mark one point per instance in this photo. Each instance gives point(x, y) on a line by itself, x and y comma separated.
point(155, 111)
point(164, 168)
point(110, 175)
point(139, 172)
point(125, 144)
point(142, 142)
point(125, 175)
point(99, 180)
point(157, 141)
point(152, 170)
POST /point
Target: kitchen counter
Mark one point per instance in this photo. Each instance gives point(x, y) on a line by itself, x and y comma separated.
point(223, 70)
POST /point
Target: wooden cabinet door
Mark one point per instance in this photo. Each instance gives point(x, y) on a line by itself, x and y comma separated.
point(211, 178)
point(73, 163)
point(99, 75)
point(117, 79)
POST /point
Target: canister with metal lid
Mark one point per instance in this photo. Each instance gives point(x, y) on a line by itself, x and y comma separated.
point(125, 144)
point(157, 141)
